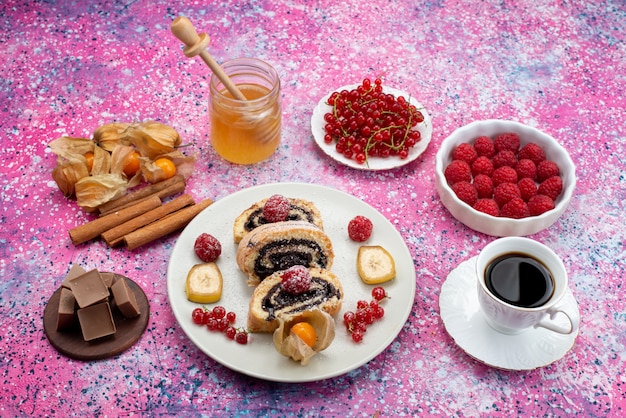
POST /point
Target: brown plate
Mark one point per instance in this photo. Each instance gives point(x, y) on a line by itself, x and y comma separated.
point(70, 342)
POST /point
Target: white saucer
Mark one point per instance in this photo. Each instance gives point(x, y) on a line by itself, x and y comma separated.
point(533, 348)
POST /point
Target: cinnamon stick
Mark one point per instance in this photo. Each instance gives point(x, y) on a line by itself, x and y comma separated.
point(165, 188)
point(96, 227)
point(163, 193)
point(115, 236)
point(164, 226)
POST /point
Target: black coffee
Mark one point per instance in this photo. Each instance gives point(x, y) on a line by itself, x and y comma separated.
point(520, 280)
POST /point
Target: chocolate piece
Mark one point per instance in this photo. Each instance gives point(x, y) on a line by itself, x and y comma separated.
point(96, 321)
point(125, 298)
point(67, 303)
point(75, 271)
point(88, 288)
point(107, 278)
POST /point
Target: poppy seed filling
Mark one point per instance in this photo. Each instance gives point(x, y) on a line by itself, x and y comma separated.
point(279, 301)
point(296, 213)
point(282, 254)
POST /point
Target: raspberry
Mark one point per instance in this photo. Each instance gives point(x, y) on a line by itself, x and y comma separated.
point(276, 208)
point(508, 140)
point(546, 169)
point(527, 188)
point(207, 247)
point(539, 204)
point(464, 152)
point(466, 192)
point(526, 168)
point(458, 171)
point(516, 209)
point(296, 279)
point(360, 228)
point(504, 174)
point(483, 185)
point(532, 152)
point(488, 206)
point(551, 187)
point(484, 146)
point(482, 165)
point(505, 192)
point(504, 158)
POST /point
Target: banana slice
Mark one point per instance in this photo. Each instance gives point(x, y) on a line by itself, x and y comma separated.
point(204, 283)
point(375, 265)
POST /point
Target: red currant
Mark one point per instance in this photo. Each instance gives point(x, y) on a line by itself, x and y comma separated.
point(219, 312)
point(359, 327)
point(212, 324)
point(349, 317)
point(379, 293)
point(222, 324)
point(230, 333)
point(241, 337)
point(366, 314)
point(363, 317)
point(197, 316)
point(357, 336)
point(364, 113)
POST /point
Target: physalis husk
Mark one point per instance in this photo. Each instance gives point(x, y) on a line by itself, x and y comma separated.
point(93, 191)
point(67, 146)
point(153, 173)
point(101, 161)
point(111, 135)
point(153, 139)
point(68, 171)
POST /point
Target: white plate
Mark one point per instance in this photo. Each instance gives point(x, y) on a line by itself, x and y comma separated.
point(374, 163)
point(533, 348)
point(259, 358)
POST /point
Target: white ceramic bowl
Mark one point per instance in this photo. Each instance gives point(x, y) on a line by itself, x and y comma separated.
point(501, 226)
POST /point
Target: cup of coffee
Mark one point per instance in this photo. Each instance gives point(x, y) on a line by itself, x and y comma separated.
point(522, 284)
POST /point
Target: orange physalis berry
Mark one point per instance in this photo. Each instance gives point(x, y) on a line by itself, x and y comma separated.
point(131, 164)
point(89, 158)
point(306, 332)
point(167, 166)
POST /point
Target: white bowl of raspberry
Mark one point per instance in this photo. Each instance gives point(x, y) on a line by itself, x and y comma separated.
point(504, 178)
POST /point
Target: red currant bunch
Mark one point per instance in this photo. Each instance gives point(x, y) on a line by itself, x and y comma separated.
point(366, 122)
point(220, 320)
point(366, 314)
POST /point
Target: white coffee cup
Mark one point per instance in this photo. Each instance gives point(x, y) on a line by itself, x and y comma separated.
point(511, 319)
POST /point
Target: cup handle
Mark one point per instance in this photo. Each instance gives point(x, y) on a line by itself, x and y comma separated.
point(570, 311)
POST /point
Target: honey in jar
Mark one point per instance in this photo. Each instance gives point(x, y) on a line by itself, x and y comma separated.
point(246, 132)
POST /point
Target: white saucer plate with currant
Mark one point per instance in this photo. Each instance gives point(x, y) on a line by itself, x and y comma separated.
point(258, 356)
point(370, 126)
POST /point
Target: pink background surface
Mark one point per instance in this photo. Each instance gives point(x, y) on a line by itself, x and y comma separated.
point(69, 67)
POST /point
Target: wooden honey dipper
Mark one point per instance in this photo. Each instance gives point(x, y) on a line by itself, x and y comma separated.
point(196, 44)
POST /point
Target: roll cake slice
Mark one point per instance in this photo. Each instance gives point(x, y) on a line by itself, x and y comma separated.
point(251, 218)
point(280, 245)
point(270, 301)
